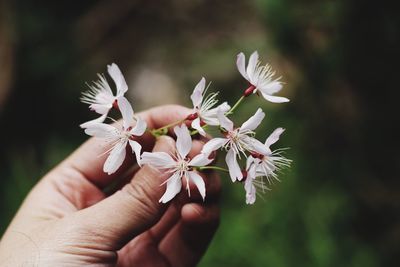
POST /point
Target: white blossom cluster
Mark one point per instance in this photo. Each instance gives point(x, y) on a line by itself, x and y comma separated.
point(261, 164)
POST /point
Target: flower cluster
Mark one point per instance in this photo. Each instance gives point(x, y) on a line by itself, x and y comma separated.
point(261, 164)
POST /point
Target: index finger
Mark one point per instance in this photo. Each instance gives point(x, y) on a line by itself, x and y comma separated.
point(87, 160)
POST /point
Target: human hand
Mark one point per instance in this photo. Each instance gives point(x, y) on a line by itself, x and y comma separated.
point(68, 220)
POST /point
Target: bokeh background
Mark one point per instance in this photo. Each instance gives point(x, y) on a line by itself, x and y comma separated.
point(339, 204)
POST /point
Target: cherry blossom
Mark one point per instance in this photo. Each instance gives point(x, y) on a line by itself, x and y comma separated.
point(100, 96)
point(178, 165)
point(204, 110)
point(260, 78)
point(268, 164)
point(119, 139)
point(237, 141)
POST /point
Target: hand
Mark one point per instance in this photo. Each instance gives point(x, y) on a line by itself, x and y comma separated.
point(68, 220)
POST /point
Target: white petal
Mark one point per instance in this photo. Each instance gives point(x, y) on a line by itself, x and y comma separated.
point(140, 127)
point(197, 95)
point(256, 146)
point(98, 120)
point(183, 140)
point(213, 145)
point(274, 137)
point(103, 108)
point(253, 122)
point(275, 99)
point(102, 130)
point(126, 111)
point(200, 160)
point(233, 166)
point(160, 160)
point(196, 125)
point(252, 65)
point(225, 123)
point(271, 87)
point(198, 181)
point(174, 185)
point(118, 78)
point(116, 158)
point(136, 148)
point(250, 191)
point(241, 65)
point(210, 116)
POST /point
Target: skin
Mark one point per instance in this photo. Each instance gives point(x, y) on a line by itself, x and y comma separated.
point(68, 219)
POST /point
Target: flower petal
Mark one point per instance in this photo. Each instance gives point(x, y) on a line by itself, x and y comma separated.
point(102, 130)
point(183, 140)
point(136, 148)
point(116, 158)
point(197, 95)
point(253, 122)
point(118, 78)
point(174, 185)
point(251, 67)
point(140, 127)
point(271, 87)
point(274, 137)
point(233, 166)
point(199, 182)
point(225, 123)
point(200, 160)
point(250, 191)
point(126, 112)
point(101, 108)
point(98, 120)
point(213, 145)
point(275, 99)
point(256, 146)
point(196, 125)
point(160, 160)
point(241, 65)
point(210, 116)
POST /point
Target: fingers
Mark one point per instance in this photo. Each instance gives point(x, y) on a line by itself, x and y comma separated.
point(132, 210)
point(188, 240)
point(87, 159)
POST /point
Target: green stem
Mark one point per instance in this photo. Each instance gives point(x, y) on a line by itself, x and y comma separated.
point(164, 130)
point(212, 168)
point(236, 105)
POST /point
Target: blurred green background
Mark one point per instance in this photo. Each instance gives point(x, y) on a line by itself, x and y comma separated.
point(339, 204)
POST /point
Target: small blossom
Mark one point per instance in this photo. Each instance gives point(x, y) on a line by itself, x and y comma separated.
point(237, 141)
point(260, 78)
point(270, 163)
point(100, 96)
point(119, 139)
point(204, 113)
point(178, 165)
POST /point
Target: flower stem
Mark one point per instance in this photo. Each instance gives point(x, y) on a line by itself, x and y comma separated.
point(212, 168)
point(236, 105)
point(164, 130)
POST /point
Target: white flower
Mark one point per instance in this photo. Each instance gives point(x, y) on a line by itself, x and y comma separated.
point(237, 141)
point(270, 163)
point(119, 138)
point(203, 108)
point(178, 165)
point(100, 96)
point(260, 78)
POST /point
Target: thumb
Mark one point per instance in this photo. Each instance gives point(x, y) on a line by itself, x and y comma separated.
point(132, 210)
